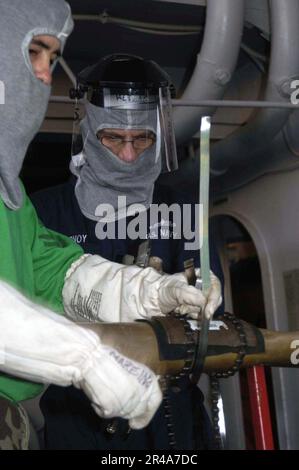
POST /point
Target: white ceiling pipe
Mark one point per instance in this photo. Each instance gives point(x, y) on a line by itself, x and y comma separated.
point(215, 63)
point(246, 143)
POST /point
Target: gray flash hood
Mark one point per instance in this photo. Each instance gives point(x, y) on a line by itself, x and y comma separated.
point(103, 177)
point(25, 96)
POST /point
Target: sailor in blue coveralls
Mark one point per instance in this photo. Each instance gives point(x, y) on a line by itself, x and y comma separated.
point(119, 149)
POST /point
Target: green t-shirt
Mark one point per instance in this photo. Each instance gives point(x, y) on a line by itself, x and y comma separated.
point(34, 260)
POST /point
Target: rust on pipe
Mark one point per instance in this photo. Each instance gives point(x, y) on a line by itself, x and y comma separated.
point(163, 345)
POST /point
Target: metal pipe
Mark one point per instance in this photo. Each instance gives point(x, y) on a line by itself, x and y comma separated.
point(215, 63)
point(260, 408)
point(243, 145)
point(166, 354)
point(212, 103)
point(235, 104)
point(61, 99)
point(281, 160)
point(105, 18)
point(67, 70)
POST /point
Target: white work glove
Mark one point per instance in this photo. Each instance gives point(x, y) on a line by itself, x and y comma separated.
point(98, 290)
point(209, 303)
point(37, 344)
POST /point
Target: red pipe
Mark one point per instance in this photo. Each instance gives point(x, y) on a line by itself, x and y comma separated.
point(260, 411)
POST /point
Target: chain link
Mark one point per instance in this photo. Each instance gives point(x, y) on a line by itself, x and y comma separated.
point(215, 376)
point(172, 380)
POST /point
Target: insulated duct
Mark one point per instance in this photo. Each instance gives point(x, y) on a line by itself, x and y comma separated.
point(244, 146)
point(215, 63)
point(277, 158)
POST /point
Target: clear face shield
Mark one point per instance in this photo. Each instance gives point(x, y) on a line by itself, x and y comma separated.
point(130, 123)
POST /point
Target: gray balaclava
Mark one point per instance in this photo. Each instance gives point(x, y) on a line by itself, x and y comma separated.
point(102, 176)
point(25, 96)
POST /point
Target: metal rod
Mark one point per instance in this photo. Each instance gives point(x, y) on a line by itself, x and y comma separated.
point(68, 70)
point(105, 18)
point(236, 104)
point(260, 408)
point(61, 99)
point(216, 103)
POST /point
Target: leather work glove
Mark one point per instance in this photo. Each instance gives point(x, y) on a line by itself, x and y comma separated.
point(174, 286)
point(39, 345)
point(99, 290)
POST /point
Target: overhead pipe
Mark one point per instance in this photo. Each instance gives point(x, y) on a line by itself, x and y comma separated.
point(243, 147)
point(69, 73)
point(236, 104)
point(105, 18)
point(215, 63)
point(281, 160)
point(217, 103)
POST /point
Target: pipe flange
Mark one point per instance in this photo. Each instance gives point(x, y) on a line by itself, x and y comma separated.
point(222, 77)
point(285, 86)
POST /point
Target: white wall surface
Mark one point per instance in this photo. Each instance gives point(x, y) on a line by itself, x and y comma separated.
point(269, 209)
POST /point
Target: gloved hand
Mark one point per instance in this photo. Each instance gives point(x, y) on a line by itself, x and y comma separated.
point(39, 345)
point(98, 290)
point(195, 302)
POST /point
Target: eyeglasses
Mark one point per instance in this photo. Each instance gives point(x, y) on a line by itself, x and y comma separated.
point(115, 142)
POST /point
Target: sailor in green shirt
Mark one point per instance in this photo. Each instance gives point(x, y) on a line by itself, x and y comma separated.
point(43, 273)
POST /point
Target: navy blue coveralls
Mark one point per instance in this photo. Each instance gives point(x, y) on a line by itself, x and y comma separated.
point(70, 422)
